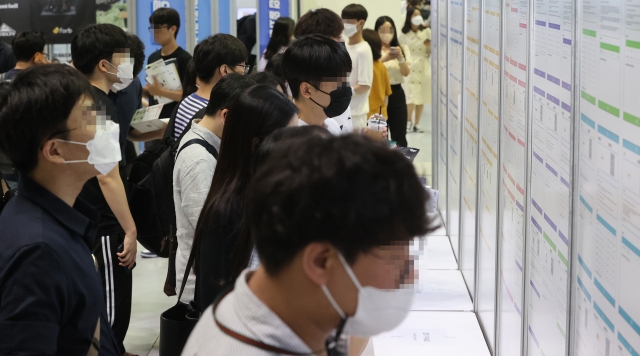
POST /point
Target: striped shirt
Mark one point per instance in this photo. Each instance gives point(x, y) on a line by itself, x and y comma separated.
point(188, 107)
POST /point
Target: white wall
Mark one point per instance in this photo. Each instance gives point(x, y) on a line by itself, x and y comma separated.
point(375, 8)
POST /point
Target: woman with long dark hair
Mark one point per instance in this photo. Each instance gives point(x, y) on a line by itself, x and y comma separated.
point(253, 116)
point(396, 58)
point(418, 38)
point(281, 37)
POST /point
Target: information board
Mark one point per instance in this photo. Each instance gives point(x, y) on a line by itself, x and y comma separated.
point(470, 145)
point(488, 161)
point(551, 173)
point(607, 222)
point(454, 121)
point(443, 74)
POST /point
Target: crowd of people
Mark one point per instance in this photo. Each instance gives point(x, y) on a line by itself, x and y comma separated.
point(292, 218)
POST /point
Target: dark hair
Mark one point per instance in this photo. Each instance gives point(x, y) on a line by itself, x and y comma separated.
point(136, 48)
point(269, 79)
point(284, 135)
point(189, 81)
point(394, 42)
point(95, 43)
point(407, 22)
point(274, 66)
point(26, 44)
point(36, 107)
point(214, 51)
point(349, 191)
point(319, 21)
point(226, 91)
point(355, 12)
point(256, 113)
point(166, 16)
point(312, 59)
point(276, 140)
point(373, 39)
point(280, 37)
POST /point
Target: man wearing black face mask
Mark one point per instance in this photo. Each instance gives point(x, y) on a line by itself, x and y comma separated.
point(317, 70)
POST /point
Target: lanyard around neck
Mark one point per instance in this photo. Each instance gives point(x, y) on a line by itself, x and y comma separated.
point(249, 341)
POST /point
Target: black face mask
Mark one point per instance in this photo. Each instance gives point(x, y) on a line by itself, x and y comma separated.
point(340, 100)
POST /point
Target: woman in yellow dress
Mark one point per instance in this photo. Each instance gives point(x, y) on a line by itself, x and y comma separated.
point(418, 84)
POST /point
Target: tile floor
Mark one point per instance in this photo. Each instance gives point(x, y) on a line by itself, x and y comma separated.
point(441, 322)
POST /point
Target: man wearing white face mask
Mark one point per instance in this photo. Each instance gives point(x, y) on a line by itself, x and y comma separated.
point(354, 17)
point(101, 53)
point(334, 256)
point(50, 290)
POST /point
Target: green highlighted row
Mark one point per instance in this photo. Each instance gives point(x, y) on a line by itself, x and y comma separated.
point(589, 33)
point(589, 98)
point(609, 108)
point(633, 44)
point(563, 259)
point(631, 119)
point(561, 331)
point(546, 237)
point(610, 47)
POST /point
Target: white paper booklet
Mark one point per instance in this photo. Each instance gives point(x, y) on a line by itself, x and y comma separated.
point(148, 119)
point(167, 74)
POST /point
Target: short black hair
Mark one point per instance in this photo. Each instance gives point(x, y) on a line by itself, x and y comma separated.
point(355, 194)
point(166, 16)
point(319, 21)
point(137, 53)
point(274, 66)
point(35, 107)
point(226, 91)
point(355, 12)
point(95, 43)
point(26, 44)
point(269, 79)
point(284, 136)
point(373, 39)
point(312, 59)
point(214, 51)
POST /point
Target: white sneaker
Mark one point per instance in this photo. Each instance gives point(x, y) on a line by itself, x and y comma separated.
point(147, 254)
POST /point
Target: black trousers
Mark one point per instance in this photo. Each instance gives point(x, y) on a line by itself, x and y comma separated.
point(397, 112)
point(116, 283)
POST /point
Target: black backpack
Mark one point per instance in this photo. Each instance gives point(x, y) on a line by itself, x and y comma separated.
point(151, 192)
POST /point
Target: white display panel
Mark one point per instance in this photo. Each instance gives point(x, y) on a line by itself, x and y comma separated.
point(551, 173)
point(607, 219)
point(488, 179)
point(470, 145)
point(456, 25)
point(513, 182)
point(443, 144)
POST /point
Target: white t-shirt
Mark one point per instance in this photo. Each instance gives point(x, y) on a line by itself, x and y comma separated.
point(330, 124)
point(362, 73)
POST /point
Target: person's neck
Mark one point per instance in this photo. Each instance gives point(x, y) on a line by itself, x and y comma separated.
point(102, 84)
point(23, 65)
point(309, 114)
point(355, 39)
point(386, 46)
point(289, 307)
point(415, 28)
point(169, 48)
point(67, 187)
point(213, 124)
point(204, 91)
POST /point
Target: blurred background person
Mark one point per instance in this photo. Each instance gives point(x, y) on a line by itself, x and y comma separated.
point(281, 37)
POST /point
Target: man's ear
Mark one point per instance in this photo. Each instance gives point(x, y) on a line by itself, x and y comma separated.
point(52, 151)
point(305, 90)
point(173, 30)
point(223, 114)
point(361, 23)
point(316, 261)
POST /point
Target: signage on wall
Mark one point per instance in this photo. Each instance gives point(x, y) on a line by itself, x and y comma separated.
point(269, 11)
point(60, 20)
point(15, 17)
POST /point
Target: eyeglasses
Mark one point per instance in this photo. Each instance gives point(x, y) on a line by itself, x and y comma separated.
point(245, 67)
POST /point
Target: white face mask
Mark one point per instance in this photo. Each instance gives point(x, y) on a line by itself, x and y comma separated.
point(350, 29)
point(386, 37)
point(417, 21)
point(377, 311)
point(104, 148)
point(125, 74)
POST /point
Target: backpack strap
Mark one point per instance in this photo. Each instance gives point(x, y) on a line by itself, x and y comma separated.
point(209, 147)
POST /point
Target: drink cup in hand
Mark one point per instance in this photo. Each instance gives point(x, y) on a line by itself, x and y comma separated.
point(376, 125)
